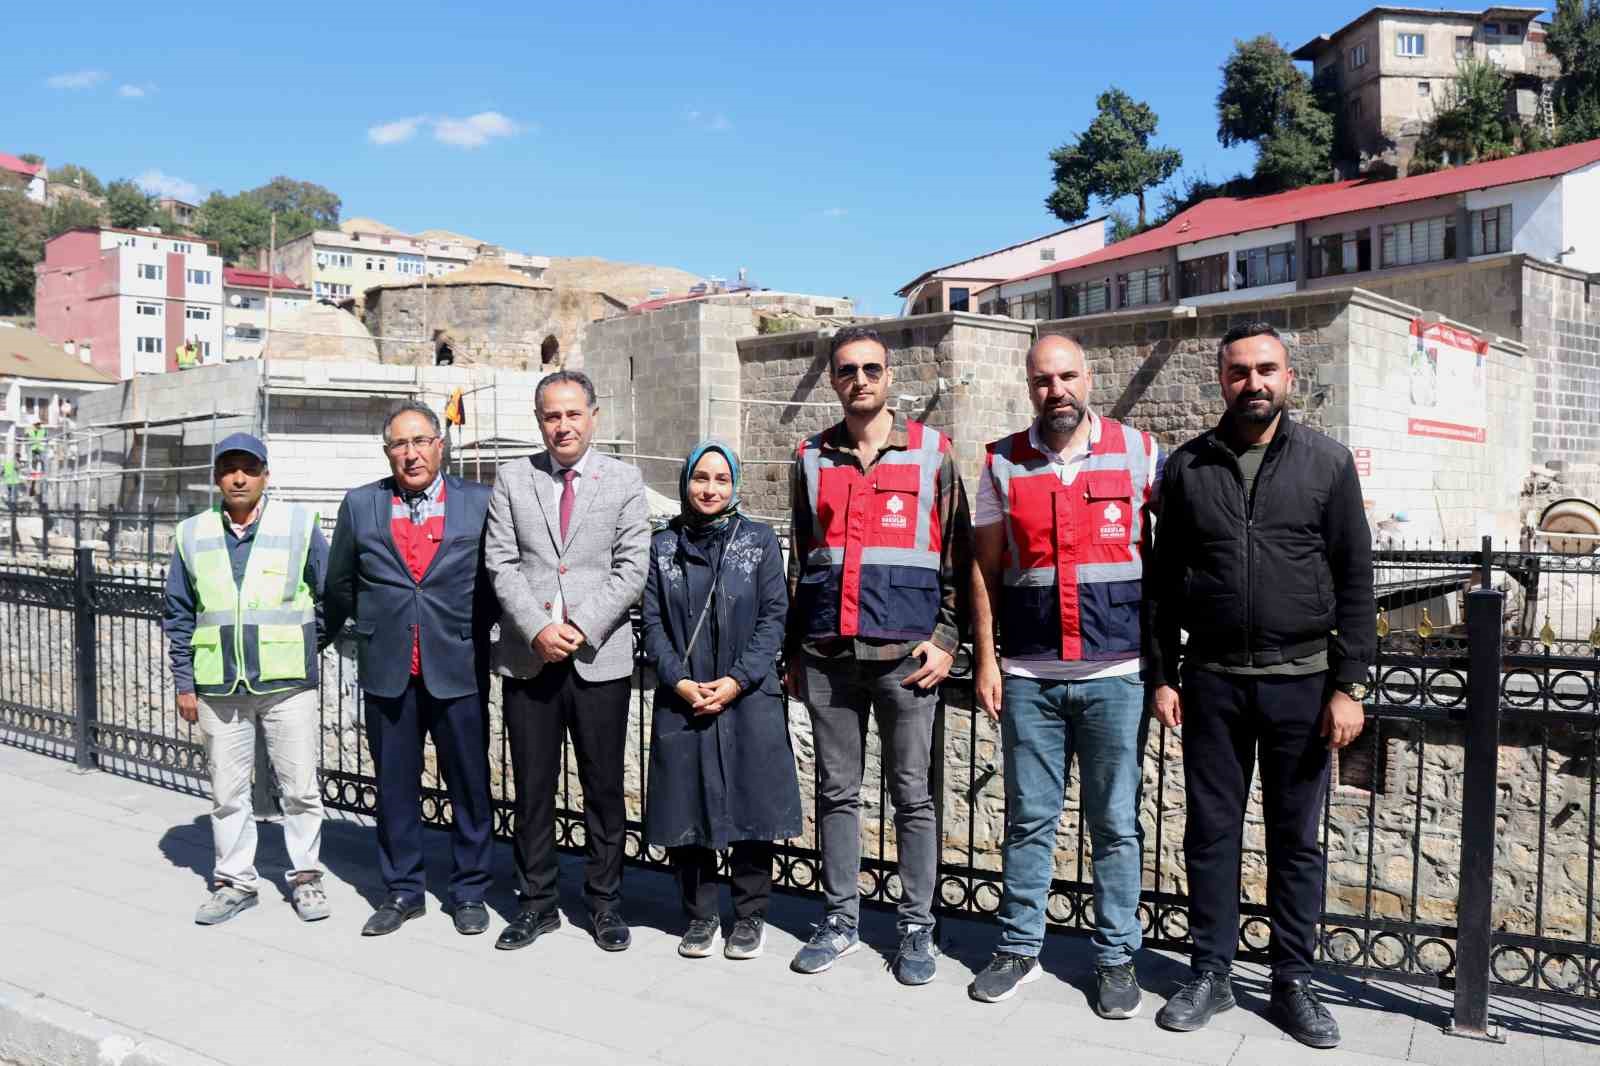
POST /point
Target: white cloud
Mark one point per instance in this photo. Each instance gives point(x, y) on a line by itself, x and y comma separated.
point(401, 129)
point(135, 91)
point(835, 212)
point(77, 79)
point(156, 183)
point(474, 131)
point(715, 121)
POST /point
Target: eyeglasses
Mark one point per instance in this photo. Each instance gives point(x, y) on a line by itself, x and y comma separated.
point(848, 371)
point(398, 447)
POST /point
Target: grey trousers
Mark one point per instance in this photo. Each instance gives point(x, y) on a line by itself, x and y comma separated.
point(840, 693)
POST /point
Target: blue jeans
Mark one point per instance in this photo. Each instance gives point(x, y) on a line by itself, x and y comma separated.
point(1042, 723)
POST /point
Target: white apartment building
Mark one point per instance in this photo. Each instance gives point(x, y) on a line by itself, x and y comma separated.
point(245, 318)
point(134, 297)
point(339, 265)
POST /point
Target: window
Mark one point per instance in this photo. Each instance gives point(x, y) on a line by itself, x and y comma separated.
point(197, 314)
point(151, 272)
point(959, 299)
point(147, 345)
point(1032, 305)
point(1424, 88)
point(182, 248)
point(1340, 253)
point(1463, 47)
point(1491, 230)
point(1427, 240)
point(1358, 57)
point(1198, 277)
point(1047, 255)
point(199, 277)
point(1355, 109)
point(1139, 287)
point(377, 263)
point(247, 333)
point(1087, 297)
point(986, 308)
point(142, 308)
point(205, 350)
point(1491, 29)
point(1410, 44)
point(329, 291)
point(342, 260)
point(1272, 265)
point(1511, 29)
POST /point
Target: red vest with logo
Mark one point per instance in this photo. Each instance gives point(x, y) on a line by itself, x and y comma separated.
point(872, 557)
point(1073, 563)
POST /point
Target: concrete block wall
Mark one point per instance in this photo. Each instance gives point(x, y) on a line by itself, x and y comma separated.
point(1562, 332)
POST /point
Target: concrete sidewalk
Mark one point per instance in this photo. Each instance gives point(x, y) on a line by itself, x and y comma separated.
point(100, 962)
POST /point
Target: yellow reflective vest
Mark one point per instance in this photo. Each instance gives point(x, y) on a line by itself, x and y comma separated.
point(251, 634)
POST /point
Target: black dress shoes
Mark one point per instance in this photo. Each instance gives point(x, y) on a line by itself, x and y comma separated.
point(527, 927)
point(1296, 1007)
point(611, 932)
point(471, 918)
point(391, 914)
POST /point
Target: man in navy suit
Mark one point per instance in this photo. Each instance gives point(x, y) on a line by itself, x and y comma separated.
point(406, 566)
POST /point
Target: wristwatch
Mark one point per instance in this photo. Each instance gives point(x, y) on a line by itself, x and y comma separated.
point(1356, 690)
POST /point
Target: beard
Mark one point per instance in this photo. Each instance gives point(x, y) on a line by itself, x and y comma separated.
point(1064, 419)
point(1246, 411)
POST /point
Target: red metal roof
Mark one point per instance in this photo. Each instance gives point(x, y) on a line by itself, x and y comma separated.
point(1223, 216)
point(257, 279)
point(17, 166)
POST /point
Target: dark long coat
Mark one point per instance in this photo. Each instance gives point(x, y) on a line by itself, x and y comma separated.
point(715, 779)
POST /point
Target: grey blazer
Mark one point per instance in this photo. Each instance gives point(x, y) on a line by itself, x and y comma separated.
point(599, 572)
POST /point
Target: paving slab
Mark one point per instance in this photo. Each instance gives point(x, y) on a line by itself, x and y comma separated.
point(99, 958)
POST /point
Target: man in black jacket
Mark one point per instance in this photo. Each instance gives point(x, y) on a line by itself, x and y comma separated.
point(1264, 557)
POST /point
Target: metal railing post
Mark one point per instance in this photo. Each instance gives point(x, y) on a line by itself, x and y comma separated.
point(150, 533)
point(1480, 792)
point(44, 526)
point(111, 534)
point(84, 651)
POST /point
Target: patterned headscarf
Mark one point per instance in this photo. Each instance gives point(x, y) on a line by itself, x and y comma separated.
point(687, 514)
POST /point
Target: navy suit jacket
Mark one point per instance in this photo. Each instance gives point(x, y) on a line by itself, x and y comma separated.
point(454, 603)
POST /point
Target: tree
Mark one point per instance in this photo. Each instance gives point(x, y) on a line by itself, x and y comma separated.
point(1574, 39)
point(1267, 101)
point(80, 177)
point(22, 236)
point(128, 206)
point(1470, 123)
point(70, 213)
point(1111, 159)
point(32, 158)
point(237, 223)
point(301, 206)
point(1119, 226)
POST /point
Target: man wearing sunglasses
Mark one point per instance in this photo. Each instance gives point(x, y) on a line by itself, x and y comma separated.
point(406, 568)
point(881, 549)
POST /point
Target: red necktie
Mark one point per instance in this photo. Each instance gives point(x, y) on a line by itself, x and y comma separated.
point(567, 496)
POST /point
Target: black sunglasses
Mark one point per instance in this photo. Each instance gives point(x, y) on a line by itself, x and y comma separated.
point(848, 371)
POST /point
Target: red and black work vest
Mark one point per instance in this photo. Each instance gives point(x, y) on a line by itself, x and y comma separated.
point(417, 543)
point(872, 568)
point(1073, 560)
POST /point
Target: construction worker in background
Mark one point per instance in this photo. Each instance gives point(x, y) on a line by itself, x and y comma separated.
point(244, 622)
point(188, 355)
point(36, 445)
point(12, 478)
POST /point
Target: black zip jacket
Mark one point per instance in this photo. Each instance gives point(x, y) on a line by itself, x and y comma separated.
point(1263, 585)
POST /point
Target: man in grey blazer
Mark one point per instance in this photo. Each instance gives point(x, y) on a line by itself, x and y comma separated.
point(568, 542)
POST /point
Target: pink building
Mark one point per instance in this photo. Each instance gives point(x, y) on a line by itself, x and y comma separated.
point(32, 177)
point(132, 297)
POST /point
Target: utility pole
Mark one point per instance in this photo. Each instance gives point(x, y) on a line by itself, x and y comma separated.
point(266, 343)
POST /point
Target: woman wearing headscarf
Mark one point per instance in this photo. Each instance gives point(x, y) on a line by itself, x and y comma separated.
point(721, 768)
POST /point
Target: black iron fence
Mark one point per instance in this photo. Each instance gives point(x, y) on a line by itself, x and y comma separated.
point(1460, 830)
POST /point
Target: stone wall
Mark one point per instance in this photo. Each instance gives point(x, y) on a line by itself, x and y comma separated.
point(1561, 326)
point(488, 325)
point(1350, 352)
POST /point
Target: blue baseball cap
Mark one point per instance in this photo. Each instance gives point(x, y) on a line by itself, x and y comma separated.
point(240, 442)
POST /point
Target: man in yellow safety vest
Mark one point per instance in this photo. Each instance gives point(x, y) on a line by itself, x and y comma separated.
point(244, 619)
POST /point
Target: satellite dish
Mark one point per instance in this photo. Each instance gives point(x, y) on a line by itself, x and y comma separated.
point(234, 300)
point(231, 331)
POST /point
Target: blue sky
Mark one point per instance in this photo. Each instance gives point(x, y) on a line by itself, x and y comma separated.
point(830, 148)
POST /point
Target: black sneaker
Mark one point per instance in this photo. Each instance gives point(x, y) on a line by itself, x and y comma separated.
point(1000, 979)
point(1296, 1007)
point(1119, 995)
point(747, 940)
point(701, 939)
point(1197, 1002)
